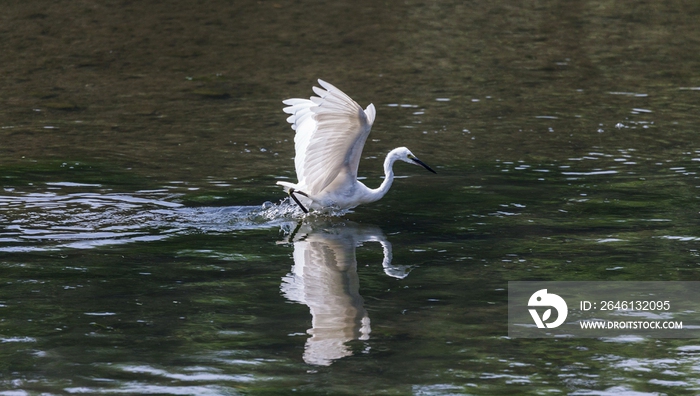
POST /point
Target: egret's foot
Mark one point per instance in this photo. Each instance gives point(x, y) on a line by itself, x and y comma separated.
point(291, 194)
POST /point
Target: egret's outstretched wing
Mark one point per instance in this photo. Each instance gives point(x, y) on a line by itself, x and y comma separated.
point(331, 130)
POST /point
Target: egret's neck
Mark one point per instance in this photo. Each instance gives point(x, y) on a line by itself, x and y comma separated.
point(379, 192)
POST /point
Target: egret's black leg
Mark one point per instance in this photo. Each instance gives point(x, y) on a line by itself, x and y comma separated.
point(291, 194)
point(294, 233)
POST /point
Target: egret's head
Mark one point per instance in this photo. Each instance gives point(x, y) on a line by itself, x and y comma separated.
point(406, 155)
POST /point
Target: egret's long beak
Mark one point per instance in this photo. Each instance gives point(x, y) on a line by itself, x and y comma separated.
point(419, 162)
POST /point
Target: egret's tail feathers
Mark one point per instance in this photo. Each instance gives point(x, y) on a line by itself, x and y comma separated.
point(287, 185)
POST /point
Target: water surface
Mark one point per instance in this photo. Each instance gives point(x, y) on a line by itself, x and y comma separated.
point(145, 248)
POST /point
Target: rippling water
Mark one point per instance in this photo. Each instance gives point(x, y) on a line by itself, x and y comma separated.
point(53, 221)
point(172, 298)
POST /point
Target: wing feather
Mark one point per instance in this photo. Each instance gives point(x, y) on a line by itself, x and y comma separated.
point(331, 130)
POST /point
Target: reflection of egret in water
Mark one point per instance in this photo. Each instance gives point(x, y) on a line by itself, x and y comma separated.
point(324, 277)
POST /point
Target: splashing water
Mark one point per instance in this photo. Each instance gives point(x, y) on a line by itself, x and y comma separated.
point(50, 221)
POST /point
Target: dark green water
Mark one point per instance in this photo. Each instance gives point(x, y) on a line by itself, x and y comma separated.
point(139, 142)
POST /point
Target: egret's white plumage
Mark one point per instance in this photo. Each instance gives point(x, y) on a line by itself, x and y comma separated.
point(331, 130)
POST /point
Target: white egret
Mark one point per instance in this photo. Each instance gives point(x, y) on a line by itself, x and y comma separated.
point(331, 130)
